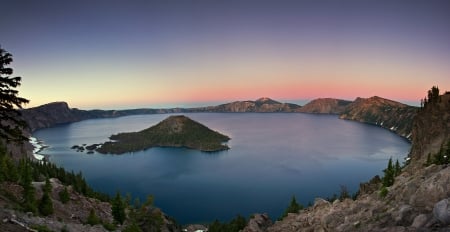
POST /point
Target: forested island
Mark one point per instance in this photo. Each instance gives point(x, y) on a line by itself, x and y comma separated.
point(174, 131)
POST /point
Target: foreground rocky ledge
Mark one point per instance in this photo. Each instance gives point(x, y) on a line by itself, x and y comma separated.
point(415, 203)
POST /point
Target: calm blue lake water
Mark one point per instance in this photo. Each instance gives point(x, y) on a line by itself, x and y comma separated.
point(272, 157)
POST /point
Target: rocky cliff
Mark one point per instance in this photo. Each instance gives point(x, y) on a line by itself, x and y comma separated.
point(49, 115)
point(55, 113)
point(431, 129)
point(388, 114)
point(419, 199)
point(325, 106)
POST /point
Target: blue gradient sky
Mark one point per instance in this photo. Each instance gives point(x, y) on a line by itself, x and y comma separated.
point(116, 54)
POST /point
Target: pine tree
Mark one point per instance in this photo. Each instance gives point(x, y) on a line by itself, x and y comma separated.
point(389, 174)
point(93, 219)
point(3, 168)
point(397, 169)
point(29, 199)
point(118, 209)
point(293, 207)
point(64, 195)
point(46, 204)
point(11, 124)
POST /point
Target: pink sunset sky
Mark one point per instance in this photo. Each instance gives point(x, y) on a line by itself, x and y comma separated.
point(126, 54)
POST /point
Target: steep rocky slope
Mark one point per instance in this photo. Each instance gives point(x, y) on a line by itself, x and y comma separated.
point(325, 106)
point(419, 199)
point(70, 216)
point(388, 114)
point(436, 119)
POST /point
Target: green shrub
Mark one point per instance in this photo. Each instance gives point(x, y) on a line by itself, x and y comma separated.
point(93, 219)
point(109, 226)
point(383, 192)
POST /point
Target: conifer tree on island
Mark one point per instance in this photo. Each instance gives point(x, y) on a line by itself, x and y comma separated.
point(11, 124)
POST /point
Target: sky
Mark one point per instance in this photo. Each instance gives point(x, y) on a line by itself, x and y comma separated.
point(139, 53)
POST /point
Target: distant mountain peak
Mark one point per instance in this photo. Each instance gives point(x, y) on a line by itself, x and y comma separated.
point(266, 100)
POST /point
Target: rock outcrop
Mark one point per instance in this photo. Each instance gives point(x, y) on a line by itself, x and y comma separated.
point(325, 106)
point(70, 216)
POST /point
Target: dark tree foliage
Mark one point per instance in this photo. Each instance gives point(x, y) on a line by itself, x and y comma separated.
point(118, 208)
point(29, 199)
point(441, 157)
point(389, 174)
point(64, 195)
point(234, 225)
point(92, 218)
point(77, 181)
point(8, 169)
point(144, 217)
point(46, 204)
point(432, 97)
point(293, 207)
point(397, 168)
point(11, 124)
point(344, 193)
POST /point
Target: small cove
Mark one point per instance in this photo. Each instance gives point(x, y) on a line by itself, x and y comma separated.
point(272, 157)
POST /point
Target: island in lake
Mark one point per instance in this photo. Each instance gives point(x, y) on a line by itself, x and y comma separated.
point(174, 131)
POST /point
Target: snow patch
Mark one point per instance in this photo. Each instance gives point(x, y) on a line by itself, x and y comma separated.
point(38, 146)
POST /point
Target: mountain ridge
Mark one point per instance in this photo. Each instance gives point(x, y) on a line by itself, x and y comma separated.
point(391, 115)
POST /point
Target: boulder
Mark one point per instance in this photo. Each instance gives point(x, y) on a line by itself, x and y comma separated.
point(441, 212)
point(420, 221)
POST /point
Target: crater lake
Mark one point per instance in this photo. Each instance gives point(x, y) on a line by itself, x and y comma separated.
point(273, 157)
